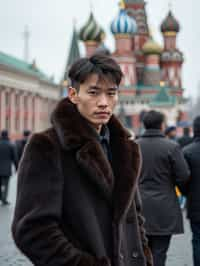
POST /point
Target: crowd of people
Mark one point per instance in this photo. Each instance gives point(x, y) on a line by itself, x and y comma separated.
point(90, 195)
point(170, 168)
point(10, 154)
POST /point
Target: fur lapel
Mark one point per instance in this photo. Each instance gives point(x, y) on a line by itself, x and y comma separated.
point(74, 132)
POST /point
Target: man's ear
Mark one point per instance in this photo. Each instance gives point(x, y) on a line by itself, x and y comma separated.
point(73, 95)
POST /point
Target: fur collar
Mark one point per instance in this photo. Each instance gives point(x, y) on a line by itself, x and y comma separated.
point(74, 132)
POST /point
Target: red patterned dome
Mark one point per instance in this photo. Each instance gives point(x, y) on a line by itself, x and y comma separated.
point(170, 24)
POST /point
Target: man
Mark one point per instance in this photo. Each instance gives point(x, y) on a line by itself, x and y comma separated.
point(192, 155)
point(170, 133)
point(8, 156)
point(77, 201)
point(163, 168)
point(186, 138)
point(20, 144)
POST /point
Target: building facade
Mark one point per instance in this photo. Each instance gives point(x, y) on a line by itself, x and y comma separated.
point(27, 96)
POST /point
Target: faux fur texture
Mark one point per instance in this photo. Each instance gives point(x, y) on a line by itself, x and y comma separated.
point(74, 132)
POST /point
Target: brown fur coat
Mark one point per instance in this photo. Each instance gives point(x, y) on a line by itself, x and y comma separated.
point(67, 214)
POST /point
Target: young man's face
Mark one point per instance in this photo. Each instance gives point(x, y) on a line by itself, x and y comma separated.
point(95, 100)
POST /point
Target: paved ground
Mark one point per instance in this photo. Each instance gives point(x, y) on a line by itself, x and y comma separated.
point(179, 254)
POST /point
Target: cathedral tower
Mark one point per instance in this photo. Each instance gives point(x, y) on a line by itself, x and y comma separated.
point(91, 34)
point(171, 58)
point(123, 28)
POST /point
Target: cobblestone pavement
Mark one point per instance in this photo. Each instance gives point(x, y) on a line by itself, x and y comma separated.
point(179, 253)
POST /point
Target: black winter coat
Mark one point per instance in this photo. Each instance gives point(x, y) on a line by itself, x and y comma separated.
point(67, 214)
point(8, 156)
point(163, 168)
point(20, 145)
point(192, 156)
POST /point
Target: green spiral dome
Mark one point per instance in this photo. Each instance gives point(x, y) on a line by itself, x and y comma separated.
point(91, 31)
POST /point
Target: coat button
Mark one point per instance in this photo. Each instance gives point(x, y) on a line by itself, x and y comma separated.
point(135, 254)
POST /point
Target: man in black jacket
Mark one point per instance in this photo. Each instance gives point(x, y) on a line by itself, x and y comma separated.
point(21, 143)
point(192, 156)
point(77, 201)
point(8, 156)
point(186, 138)
point(163, 168)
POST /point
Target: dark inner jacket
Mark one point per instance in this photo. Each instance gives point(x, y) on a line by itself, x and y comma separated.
point(66, 212)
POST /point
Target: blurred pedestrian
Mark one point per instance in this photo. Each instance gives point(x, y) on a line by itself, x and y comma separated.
point(192, 155)
point(78, 201)
point(8, 156)
point(163, 167)
point(20, 144)
point(186, 138)
point(170, 133)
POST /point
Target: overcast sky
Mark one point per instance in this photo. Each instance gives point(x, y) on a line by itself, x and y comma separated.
point(50, 23)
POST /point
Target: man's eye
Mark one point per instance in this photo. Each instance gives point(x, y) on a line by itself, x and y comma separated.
point(112, 93)
point(92, 92)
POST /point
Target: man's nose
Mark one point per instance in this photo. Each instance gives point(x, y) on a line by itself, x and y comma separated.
point(103, 100)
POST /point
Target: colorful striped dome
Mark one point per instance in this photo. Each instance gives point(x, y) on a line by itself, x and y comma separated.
point(91, 31)
point(170, 24)
point(123, 24)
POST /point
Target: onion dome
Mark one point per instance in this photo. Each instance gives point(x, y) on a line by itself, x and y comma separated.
point(152, 47)
point(123, 24)
point(91, 31)
point(170, 24)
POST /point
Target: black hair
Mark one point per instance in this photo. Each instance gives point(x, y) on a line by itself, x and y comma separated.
point(169, 129)
point(153, 119)
point(196, 126)
point(26, 133)
point(4, 134)
point(102, 65)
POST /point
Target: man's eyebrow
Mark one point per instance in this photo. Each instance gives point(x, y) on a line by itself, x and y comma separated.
point(94, 87)
point(113, 88)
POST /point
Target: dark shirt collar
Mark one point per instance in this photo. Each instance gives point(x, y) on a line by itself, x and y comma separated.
point(104, 134)
point(153, 133)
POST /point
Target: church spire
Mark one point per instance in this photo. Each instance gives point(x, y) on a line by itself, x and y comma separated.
point(74, 52)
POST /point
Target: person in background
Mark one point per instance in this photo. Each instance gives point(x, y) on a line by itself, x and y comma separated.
point(163, 168)
point(192, 156)
point(20, 144)
point(170, 133)
point(78, 201)
point(186, 138)
point(8, 156)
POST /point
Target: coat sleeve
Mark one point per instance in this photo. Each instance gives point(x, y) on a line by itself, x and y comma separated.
point(180, 169)
point(38, 210)
point(141, 221)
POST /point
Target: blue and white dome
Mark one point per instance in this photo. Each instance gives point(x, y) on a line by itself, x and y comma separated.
point(123, 24)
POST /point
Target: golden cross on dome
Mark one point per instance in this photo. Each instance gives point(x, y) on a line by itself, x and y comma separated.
point(122, 4)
